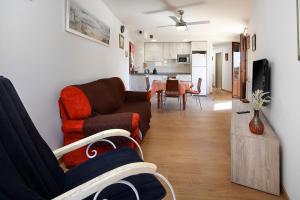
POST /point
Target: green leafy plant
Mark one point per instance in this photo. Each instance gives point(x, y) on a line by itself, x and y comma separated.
point(260, 97)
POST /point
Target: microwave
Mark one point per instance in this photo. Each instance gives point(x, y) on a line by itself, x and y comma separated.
point(183, 59)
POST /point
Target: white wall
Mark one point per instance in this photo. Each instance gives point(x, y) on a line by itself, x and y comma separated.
point(40, 57)
point(275, 24)
point(226, 65)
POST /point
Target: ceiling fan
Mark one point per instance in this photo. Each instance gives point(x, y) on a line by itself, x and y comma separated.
point(182, 25)
point(170, 7)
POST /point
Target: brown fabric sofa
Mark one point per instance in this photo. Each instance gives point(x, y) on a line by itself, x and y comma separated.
point(100, 105)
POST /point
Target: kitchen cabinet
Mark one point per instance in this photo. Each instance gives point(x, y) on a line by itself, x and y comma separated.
point(199, 46)
point(184, 77)
point(183, 48)
point(137, 82)
point(170, 50)
point(157, 77)
point(159, 51)
point(153, 52)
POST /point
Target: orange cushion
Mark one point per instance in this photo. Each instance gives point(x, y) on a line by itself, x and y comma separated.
point(76, 103)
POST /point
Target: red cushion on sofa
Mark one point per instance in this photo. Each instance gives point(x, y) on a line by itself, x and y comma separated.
point(76, 103)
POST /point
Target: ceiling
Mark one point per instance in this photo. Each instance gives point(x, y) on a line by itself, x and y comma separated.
point(228, 18)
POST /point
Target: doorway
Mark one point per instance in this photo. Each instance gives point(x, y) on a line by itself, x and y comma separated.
point(219, 63)
point(236, 70)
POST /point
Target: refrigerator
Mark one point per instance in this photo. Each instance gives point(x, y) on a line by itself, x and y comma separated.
point(199, 70)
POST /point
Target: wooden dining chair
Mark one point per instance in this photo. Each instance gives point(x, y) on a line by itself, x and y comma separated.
point(147, 83)
point(172, 90)
point(196, 93)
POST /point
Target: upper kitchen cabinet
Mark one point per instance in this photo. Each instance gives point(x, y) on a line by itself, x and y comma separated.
point(199, 46)
point(159, 51)
point(183, 48)
point(172, 49)
point(153, 52)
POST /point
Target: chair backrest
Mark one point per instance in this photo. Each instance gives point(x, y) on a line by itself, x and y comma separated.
point(199, 84)
point(147, 83)
point(27, 159)
point(172, 87)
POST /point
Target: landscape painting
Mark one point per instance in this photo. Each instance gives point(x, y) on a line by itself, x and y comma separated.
point(81, 22)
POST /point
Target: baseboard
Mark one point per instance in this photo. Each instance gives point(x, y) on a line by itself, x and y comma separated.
point(226, 91)
point(284, 193)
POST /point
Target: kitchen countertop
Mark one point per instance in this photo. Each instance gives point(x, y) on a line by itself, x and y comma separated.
point(163, 73)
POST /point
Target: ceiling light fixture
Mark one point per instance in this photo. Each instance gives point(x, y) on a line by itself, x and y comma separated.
point(181, 28)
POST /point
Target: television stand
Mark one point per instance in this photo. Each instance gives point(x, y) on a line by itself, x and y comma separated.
point(245, 101)
point(255, 159)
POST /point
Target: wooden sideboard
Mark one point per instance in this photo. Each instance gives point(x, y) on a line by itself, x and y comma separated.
point(255, 159)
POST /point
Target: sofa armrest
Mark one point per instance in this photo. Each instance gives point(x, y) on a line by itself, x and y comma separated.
point(126, 121)
point(133, 96)
point(72, 126)
point(91, 139)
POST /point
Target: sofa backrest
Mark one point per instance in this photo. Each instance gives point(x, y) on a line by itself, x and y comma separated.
point(105, 95)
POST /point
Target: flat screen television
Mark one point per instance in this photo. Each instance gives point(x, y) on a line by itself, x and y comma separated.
point(261, 76)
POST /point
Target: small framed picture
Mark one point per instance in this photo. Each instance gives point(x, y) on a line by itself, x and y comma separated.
point(226, 56)
point(254, 42)
point(121, 41)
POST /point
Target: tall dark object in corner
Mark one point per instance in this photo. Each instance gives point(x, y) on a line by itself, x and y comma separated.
point(243, 67)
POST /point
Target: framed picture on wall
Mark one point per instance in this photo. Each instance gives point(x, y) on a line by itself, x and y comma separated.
point(121, 41)
point(254, 42)
point(298, 27)
point(226, 56)
point(83, 23)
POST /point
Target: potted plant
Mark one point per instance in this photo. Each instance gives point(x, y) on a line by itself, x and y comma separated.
point(259, 98)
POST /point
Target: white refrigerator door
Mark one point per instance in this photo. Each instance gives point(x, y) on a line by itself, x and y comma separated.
point(200, 72)
point(199, 60)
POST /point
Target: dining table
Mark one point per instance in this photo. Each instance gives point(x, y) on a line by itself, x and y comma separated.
point(159, 86)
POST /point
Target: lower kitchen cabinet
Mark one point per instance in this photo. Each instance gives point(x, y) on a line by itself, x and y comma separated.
point(137, 83)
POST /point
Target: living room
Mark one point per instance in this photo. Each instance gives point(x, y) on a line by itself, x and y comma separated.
point(191, 147)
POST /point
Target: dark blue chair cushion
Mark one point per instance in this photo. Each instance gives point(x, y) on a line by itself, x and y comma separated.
point(148, 186)
point(12, 185)
point(29, 154)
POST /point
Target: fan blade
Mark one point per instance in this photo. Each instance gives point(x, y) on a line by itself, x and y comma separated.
point(174, 18)
point(169, 6)
point(192, 4)
point(155, 11)
point(198, 22)
point(165, 26)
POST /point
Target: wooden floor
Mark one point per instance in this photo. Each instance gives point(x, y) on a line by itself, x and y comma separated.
point(192, 149)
